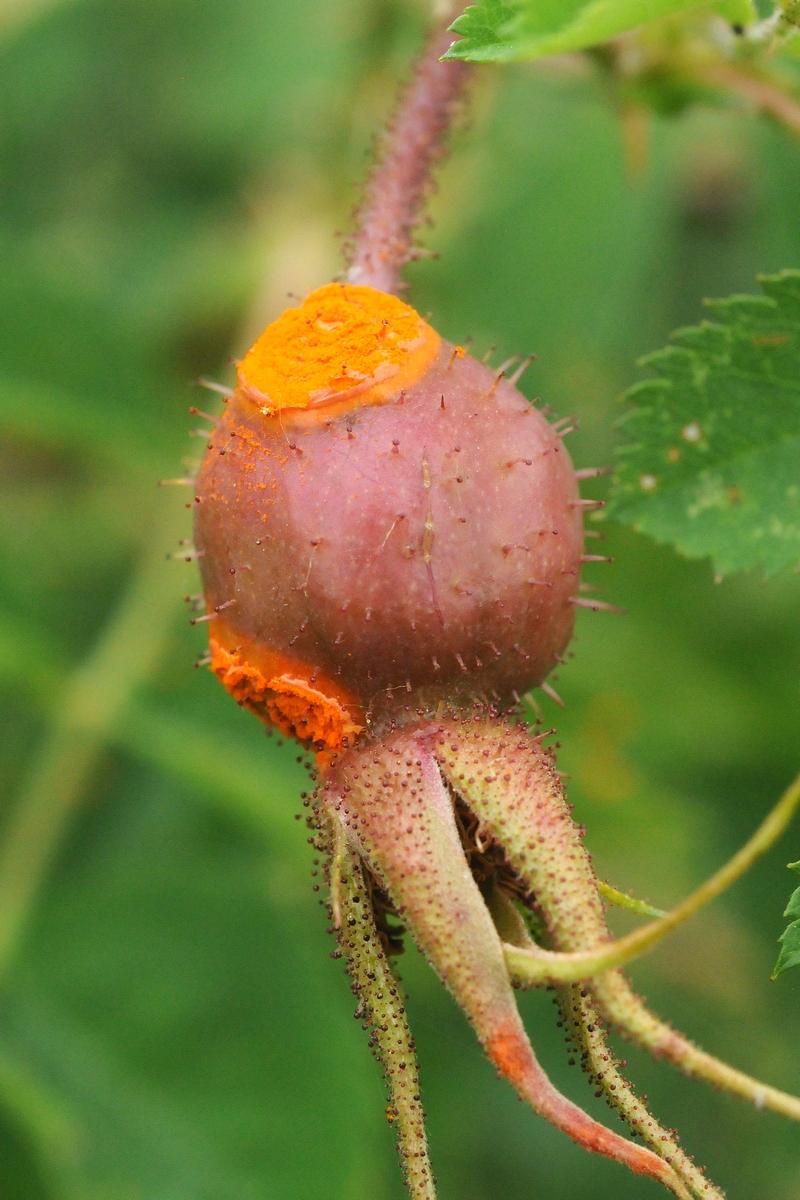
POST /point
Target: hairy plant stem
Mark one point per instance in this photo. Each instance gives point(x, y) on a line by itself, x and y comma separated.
point(88, 710)
point(614, 996)
point(585, 1026)
point(585, 1037)
point(380, 1003)
point(399, 185)
point(512, 788)
point(622, 1007)
point(538, 966)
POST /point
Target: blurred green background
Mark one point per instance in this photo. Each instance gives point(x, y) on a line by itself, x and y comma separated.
point(171, 1024)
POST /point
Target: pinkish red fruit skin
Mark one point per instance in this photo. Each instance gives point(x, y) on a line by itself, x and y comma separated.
point(382, 544)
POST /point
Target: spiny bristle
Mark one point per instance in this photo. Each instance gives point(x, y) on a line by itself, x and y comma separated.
point(497, 379)
point(552, 693)
point(587, 505)
point(214, 387)
point(595, 605)
point(594, 533)
point(593, 472)
point(521, 369)
point(417, 252)
point(198, 412)
point(210, 616)
point(508, 363)
point(596, 558)
point(183, 481)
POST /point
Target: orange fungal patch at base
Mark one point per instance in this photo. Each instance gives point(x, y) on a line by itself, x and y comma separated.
point(343, 343)
point(287, 700)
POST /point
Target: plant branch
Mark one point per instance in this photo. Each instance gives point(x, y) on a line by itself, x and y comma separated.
point(586, 1038)
point(539, 966)
point(623, 1008)
point(401, 181)
point(764, 93)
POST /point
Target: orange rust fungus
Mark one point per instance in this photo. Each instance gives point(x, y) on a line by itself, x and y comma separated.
point(344, 343)
point(298, 708)
point(510, 1055)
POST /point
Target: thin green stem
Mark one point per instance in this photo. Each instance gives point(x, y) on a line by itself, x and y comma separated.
point(538, 967)
point(623, 900)
point(623, 1008)
point(87, 712)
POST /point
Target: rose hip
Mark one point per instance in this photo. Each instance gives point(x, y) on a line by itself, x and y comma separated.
point(385, 524)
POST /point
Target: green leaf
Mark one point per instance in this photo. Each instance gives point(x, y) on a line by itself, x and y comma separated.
point(790, 938)
point(492, 31)
point(481, 27)
point(712, 461)
point(790, 953)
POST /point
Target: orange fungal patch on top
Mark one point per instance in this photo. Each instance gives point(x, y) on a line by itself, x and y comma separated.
point(286, 698)
point(344, 343)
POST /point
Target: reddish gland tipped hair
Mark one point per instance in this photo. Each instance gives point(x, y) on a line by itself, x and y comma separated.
point(384, 524)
